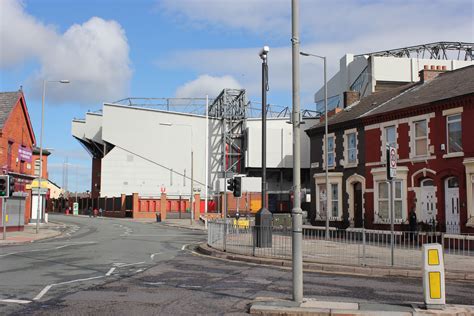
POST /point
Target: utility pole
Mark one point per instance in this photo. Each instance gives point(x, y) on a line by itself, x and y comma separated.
point(297, 213)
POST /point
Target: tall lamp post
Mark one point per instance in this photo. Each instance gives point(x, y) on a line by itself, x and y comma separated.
point(40, 176)
point(263, 218)
point(326, 146)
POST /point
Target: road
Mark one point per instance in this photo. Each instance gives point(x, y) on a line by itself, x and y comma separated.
point(167, 280)
point(92, 251)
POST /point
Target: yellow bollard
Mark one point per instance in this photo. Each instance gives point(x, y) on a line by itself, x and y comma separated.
point(434, 292)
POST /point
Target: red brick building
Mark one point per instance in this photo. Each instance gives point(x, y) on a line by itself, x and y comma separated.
point(16, 146)
point(431, 125)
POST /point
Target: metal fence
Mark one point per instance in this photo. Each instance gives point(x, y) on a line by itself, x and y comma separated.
point(350, 246)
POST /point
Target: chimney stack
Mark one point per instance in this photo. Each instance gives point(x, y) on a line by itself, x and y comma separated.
point(430, 72)
point(350, 97)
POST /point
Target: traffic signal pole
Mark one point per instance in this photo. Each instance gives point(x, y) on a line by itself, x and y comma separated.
point(4, 219)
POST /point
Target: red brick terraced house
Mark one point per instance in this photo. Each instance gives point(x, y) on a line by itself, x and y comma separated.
point(17, 140)
point(431, 123)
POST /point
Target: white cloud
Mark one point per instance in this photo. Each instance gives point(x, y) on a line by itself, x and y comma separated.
point(206, 85)
point(94, 55)
point(329, 28)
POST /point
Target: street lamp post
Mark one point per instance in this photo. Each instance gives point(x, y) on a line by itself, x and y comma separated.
point(41, 150)
point(326, 145)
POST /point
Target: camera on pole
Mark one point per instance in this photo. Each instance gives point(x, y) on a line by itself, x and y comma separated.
point(4, 186)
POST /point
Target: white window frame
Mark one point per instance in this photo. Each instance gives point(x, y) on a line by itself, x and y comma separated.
point(333, 150)
point(336, 179)
point(37, 163)
point(379, 175)
point(447, 132)
point(416, 138)
point(383, 139)
point(347, 163)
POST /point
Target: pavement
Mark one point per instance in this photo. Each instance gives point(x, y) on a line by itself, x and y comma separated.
point(270, 306)
point(28, 235)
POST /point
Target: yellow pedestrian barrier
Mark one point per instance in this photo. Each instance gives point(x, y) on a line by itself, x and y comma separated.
point(433, 276)
point(241, 223)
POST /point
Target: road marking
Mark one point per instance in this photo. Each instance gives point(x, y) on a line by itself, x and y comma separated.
point(154, 283)
point(79, 280)
point(139, 270)
point(43, 292)
point(184, 247)
point(47, 249)
point(110, 271)
point(15, 301)
point(154, 254)
point(190, 286)
point(131, 264)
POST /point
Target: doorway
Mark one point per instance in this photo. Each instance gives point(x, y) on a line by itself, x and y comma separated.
point(451, 198)
point(358, 211)
point(428, 201)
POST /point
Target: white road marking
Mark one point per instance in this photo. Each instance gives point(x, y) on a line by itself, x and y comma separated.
point(154, 283)
point(184, 247)
point(131, 264)
point(79, 280)
point(190, 286)
point(15, 301)
point(43, 292)
point(110, 271)
point(139, 270)
point(47, 249)
point(154, 254)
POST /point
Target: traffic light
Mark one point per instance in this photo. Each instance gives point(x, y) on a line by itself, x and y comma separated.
point(230, 184)
point(11, 186)
point(4, 186)
point(238, 186)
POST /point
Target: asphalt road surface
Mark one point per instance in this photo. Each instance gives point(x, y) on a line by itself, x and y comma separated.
point(154, 276)
point(92, 251)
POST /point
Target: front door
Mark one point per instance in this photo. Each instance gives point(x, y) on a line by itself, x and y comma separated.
point(452, 205)
point(428, 201)
point(358, 214)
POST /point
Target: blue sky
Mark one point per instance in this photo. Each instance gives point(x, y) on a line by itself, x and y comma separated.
point(112, 49)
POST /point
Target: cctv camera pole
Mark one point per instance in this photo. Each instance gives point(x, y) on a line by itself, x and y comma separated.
point(297, 213)
point(263, 218)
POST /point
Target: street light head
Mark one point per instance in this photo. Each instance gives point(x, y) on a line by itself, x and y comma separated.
point(64, 81)
point(264, 51)
point(304, 54)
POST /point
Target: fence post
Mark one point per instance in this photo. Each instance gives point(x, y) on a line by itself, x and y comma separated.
point(363, 246)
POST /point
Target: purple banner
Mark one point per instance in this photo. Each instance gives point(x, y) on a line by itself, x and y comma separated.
point(24, 154)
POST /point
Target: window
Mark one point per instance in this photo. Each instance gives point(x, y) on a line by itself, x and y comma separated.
point(454, 133)
point(333, 209)
point(37, 167)
point(351, 148)
point(421, 138)
point(384, 200)
point(390, 136)
point(331, 154)
point(334, 200)
point(322, 200)
point(9, 155)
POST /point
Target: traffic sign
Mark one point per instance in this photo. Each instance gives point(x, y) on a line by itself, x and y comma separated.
point(391, 162)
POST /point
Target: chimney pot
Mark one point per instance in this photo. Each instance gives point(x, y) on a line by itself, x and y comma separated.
point(426, 67)
point(438, 67)
point(443, 68)
point(351, 97)
point(433, 67)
